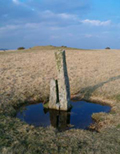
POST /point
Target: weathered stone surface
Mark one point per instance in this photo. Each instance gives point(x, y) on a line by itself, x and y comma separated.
point(63, 81)
point(53, 101)
point(60, 89)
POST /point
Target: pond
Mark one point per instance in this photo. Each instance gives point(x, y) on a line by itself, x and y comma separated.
point(78, 117)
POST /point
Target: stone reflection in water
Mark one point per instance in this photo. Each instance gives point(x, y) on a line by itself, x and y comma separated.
point(60, 119)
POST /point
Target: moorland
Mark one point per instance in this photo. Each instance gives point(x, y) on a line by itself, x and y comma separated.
point(25, 77)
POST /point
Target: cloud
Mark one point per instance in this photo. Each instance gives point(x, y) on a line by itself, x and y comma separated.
point(41, 22)
point(50, 14)
point(96, 22)
point(88, 35)
point(59, 19)
point(61, 6)
point(14, 12)
point(31, 11)
point(16, 1)
point(10, 27)
point(54, 37)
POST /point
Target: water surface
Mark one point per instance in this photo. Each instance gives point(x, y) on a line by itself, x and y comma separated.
point(78, 117)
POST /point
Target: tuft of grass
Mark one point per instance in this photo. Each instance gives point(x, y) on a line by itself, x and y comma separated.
point(45, 105)
point(118, 126)
point(117, 97)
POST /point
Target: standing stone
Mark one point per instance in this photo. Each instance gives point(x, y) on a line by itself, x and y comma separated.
point(54, 101)
point(60, 89)
point(63, 80)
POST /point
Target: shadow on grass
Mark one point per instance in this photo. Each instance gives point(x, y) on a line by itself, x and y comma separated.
point(87, 92)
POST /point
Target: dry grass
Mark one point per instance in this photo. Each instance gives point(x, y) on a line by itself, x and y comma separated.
point(91, 73)
point(94, 75)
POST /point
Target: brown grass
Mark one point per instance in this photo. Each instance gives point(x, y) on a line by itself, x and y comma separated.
point(94, 75)
point(91, 73)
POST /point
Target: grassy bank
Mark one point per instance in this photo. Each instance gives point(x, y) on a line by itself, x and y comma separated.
point(25, 76)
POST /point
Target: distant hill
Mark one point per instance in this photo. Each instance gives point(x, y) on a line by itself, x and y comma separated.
point(3, 49)
point(50, 47)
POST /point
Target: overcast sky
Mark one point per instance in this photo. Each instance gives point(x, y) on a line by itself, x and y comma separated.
point(88, 24)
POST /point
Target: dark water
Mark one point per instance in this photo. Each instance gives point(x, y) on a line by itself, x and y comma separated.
point(78, 117)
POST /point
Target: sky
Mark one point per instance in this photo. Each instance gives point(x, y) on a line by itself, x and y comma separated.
point(86, 24)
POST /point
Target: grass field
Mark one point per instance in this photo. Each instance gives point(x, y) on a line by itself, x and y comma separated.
point(25, 76)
